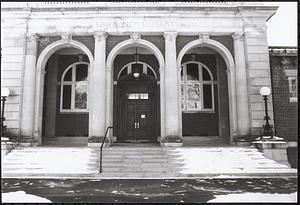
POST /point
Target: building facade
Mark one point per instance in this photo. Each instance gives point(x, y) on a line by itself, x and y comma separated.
point(163, 72)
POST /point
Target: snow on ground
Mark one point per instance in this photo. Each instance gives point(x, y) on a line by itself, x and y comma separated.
point(22, 197)
point(221, 160)
point(52, 160)
point(255, 197)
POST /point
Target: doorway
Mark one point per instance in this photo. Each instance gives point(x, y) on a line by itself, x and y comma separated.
point(137, 109)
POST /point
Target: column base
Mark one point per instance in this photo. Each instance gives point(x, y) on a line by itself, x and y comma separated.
point(28, 141)
point(96, 141)
point(171, 142)
point(275, 149)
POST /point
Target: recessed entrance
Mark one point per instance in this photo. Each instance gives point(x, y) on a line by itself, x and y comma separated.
point(137, 101)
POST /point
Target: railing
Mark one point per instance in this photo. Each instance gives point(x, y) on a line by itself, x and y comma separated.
point(102, 147)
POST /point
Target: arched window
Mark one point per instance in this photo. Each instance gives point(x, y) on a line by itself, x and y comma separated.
point(197, 87)
point(139, 67)
point(74, 88)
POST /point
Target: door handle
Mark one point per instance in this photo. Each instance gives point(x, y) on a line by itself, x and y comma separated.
point(138, 125)
point(135, 126)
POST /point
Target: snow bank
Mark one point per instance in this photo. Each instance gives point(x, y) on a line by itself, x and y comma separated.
point(255, 197)
point(22, 197)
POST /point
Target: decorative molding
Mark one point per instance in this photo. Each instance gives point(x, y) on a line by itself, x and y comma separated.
point(204, 36)
point(100, 35)
point(66, 37)
point(135, 37)
point(238, 36)
point(170, 35)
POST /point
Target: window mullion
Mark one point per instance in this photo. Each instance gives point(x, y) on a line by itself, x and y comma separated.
point(73, 87)
point(201, 86)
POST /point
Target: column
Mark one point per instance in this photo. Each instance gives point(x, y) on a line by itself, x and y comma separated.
point(27, 122)
point(172, 137)
point(241, 86)
point(98, 96)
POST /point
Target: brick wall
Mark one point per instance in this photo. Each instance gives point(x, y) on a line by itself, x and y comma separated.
point(283, 62)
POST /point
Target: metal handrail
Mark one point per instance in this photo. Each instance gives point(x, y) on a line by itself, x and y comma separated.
point(110, 127)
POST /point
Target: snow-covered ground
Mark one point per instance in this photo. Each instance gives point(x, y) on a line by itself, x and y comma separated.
point(22, 197)
point(224, 160)
point(255, 197)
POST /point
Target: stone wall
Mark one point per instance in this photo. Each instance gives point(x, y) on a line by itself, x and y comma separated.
point(13, 46)
point(258, 71)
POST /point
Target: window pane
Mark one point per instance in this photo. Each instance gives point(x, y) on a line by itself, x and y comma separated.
point(207, 96)
point(205, 74)
point(192, 71)
point(81, 72)
point(193, 92)
point(182, 96)
point(123, 73)
point(293, 88)
point(181, 73)
point(136, 96)
point(81, 97)
point(150, 72)
point(137, 68)
point(68, 75)
point(193, 105)
point(66, 104)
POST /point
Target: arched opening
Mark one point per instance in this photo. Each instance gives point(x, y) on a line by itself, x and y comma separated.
point(136, 69)
point(62, 94)
point(206, 109)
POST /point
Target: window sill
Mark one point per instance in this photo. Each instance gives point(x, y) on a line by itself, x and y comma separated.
point(74, 112)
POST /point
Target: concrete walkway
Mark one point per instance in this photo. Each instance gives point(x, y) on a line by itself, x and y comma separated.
point(141, 162)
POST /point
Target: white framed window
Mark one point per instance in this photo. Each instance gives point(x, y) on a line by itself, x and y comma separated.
point(197, 88)
point(293, 85)
point(139, 67)
point(74, 88)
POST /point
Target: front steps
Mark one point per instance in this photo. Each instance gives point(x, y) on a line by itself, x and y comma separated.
point(141, 162)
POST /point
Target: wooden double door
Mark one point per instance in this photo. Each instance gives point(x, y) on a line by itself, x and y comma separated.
point(137, 107)
point(138, 118)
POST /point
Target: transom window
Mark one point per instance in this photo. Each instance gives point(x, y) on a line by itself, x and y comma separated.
point(74, 88)
point(197, 87)
point(138, 67)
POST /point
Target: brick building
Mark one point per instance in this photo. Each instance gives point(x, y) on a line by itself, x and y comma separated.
point(284, 75)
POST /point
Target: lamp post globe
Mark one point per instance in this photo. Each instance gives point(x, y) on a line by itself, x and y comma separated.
point(265, 91)
point(5, 92)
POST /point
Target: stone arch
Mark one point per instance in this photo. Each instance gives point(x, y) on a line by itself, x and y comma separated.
point(135, 40)
point(40, 72)
point(204, 41)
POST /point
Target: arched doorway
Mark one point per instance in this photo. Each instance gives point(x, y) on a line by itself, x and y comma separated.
point(111, 79)
point(137, 97)
point(49, 52)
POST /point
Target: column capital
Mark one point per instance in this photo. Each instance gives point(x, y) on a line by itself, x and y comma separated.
point(237, 36)
point(33, 36)
point(100, 35)
point(170, 35)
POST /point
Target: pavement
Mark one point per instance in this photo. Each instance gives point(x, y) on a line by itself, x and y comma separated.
point(142, 162)
point(279, 190)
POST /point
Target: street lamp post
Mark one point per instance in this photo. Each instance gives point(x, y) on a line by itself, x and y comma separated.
point(4, 94)
point(267, 128)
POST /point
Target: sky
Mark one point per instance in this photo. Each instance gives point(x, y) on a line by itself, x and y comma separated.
point(282, 27)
